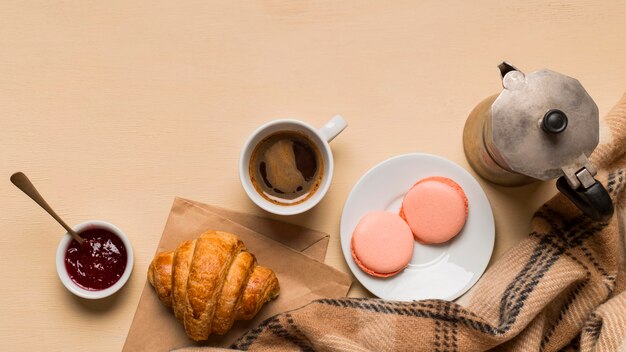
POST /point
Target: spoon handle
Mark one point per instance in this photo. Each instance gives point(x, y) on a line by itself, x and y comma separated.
point(22, 182)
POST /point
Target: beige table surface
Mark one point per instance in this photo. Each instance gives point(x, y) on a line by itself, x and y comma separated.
point(115, 107)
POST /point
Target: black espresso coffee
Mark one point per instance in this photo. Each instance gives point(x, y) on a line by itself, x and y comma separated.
point(286, 168)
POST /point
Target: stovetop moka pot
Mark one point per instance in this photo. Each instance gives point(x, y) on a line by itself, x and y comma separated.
point(543, 125)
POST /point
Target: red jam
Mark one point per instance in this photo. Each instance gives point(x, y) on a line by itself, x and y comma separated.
point(99, 262)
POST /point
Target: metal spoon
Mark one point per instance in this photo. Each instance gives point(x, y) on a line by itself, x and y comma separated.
point(22, 182)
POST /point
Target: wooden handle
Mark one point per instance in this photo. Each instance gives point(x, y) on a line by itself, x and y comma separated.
point(22, 182)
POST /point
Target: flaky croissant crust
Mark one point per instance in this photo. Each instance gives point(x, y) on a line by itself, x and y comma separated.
point(210, 282)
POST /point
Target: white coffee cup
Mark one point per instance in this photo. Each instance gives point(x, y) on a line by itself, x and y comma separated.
point(321, 137)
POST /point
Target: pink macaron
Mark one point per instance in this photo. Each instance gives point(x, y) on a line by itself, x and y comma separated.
point(382, 244)
point(436, 209)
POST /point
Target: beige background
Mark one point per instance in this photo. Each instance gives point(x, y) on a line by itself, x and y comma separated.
point(115, 107)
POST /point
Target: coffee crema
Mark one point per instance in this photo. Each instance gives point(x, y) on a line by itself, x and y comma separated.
point(286, 168)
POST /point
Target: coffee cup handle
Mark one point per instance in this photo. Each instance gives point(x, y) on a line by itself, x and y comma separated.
point(333, 127)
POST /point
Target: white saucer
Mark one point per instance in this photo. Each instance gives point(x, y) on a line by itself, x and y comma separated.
point(443, 271)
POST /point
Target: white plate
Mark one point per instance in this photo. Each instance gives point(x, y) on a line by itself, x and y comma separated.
point(443, 271)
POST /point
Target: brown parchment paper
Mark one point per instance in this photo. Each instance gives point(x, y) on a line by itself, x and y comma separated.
point(294, 253)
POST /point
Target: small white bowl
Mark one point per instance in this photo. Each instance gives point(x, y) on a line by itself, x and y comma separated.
point(62, 271)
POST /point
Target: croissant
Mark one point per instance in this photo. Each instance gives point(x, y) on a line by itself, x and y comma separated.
point(210, 282)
